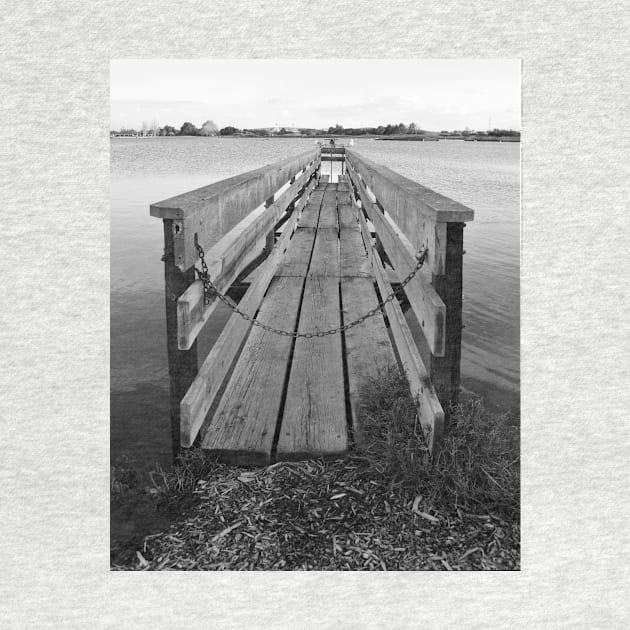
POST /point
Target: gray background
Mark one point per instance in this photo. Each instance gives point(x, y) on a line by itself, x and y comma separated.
point(54, 468)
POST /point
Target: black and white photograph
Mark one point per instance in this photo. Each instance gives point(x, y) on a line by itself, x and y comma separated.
point(308, 306)
point(315, 314)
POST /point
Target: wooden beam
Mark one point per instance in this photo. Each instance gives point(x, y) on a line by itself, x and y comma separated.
point(312, 425)
point(182, 365)
point(243, 427)
point(426, 303)
point(420, 213)
point(353, 259)
point(430, 412)
point(229, 257)
point(208, 213)
point(205, 387)
point(445, 371)
point(399, 195)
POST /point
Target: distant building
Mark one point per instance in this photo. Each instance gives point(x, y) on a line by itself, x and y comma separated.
point(209, 129)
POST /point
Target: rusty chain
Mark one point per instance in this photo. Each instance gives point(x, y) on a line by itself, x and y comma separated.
point(210, 290)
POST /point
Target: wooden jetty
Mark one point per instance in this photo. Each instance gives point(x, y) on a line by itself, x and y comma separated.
point(311, 256)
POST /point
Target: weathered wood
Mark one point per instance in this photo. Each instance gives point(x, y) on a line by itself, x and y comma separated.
point(243, 427)
point(333, 149)
point(212, 211)
point(296, 260)
point(332, 158)
point(430, 411)
point(314, 420)
point(354, 260)
point(229, 257)
point(204, 389)
point(396, 192)
point(182, 365)
point(426, 303)
point(445, 371)
point(328, 214)
point(369, 352)
point(347, 215)
point(420, 213)
point(325, 260)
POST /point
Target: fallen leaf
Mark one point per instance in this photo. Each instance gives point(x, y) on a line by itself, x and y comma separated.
point(428, 517)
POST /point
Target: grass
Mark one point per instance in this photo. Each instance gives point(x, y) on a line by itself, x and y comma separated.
point(388, 505)
point(478, 460)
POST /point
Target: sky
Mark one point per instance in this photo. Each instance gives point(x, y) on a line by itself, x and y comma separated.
point(436, 94)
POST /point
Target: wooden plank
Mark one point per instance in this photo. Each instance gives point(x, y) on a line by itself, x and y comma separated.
point(430, 411)
point(328, 214)
point(347, 215)
point(205, 387)
point(445, 371)
point(420, 213)
point(353, 257)
point(325, 261)
point(182, 365)
point(314, 418)
point(228, 258)
point(426, 303)
point(333, 158)
point(397, 192)
point(310, 216)
point(243, 427)
point(369, 351)
point(212, 211)
point(296, 260)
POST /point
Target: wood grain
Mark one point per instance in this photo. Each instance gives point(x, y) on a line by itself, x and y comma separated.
point(229, 257)
point(430, 411)
point(426, 303)
point(212, 211)
point(314, 418)
point(205, 387)
point(243, 427)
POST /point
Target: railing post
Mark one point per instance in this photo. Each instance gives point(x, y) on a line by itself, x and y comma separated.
point(182, 364)
point(445, 371)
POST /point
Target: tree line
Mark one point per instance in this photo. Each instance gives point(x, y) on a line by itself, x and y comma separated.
point(210, 129)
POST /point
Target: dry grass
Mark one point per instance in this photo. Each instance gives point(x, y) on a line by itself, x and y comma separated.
point(388, 507)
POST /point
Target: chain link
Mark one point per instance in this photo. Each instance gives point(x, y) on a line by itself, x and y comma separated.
point(210, 290)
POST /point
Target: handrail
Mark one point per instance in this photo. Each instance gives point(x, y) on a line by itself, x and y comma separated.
point(395, 191)
point(204, 215)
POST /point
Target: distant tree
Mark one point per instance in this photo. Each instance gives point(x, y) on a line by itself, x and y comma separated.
point(168, 130)
point(411, 128)
point(380, 130)
point(208, 129)
point(229, 131)
point(466, 131)
point(188, 129)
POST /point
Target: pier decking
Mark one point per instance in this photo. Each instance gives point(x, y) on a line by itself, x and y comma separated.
point(267, 394)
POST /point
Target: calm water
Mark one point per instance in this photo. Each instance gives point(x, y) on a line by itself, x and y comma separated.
point(484, 176)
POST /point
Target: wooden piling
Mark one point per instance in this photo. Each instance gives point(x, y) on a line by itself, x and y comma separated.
point(182, 364)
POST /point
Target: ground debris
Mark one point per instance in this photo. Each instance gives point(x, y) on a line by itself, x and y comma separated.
point(334, 515)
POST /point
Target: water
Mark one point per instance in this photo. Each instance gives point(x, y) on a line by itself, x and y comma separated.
point(483, 176)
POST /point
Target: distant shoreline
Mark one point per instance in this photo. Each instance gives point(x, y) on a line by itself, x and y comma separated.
point(420, 138)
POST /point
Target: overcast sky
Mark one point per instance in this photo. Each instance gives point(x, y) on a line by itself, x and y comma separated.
point(435, 93)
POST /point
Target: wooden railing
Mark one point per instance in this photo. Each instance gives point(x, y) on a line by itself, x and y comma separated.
point(234, 222)
point(405, 218)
